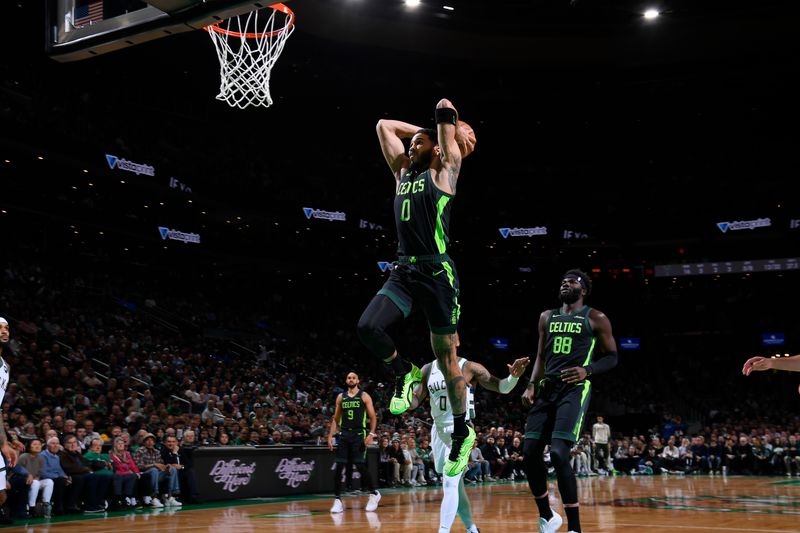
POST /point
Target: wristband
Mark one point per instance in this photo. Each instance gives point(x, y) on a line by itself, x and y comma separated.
point(508, 384)
point(446, 115)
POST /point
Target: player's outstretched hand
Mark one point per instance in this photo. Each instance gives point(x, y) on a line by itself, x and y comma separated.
point(756, 363)
point(518, 367)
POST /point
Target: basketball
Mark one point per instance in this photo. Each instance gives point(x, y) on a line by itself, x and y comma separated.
point(465, 137)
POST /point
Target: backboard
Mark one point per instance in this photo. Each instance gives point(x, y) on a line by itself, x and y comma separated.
point(79, 29)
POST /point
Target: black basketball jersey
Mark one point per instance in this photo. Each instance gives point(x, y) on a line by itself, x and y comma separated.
point(422, 215)
point(569, 341)
point(354, 412)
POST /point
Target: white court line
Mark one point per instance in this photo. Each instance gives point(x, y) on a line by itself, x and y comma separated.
point(712, 528)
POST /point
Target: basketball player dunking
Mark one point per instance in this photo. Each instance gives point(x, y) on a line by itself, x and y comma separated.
point(434, 384)
point(423, 275)
point(9, 453)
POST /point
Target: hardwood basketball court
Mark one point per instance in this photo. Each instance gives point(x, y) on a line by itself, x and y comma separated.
point(609, 504)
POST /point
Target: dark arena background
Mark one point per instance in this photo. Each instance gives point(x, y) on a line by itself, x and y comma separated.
point(174, 266)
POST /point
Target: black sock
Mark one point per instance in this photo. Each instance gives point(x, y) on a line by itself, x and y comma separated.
point(543, 504)
point(399, 365)
point(573, 518)
point(460, 425)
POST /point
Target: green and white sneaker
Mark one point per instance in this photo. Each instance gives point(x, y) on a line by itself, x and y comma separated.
point(404, 388)
point(461, 448)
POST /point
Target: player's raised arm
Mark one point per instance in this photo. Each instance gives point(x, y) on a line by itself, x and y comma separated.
point(449, 152)
point(391, 134)
point(477, 374)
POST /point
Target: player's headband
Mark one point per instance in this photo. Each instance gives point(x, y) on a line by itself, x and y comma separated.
point(576, 277)
point(3, 321)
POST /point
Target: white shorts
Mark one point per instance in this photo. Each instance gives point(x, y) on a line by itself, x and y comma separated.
point(440, 444)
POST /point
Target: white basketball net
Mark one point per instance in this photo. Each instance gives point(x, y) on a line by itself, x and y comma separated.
point(247, 51)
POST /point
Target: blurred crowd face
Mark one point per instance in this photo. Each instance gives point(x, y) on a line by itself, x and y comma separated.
point(71, 445)
point(35, 446)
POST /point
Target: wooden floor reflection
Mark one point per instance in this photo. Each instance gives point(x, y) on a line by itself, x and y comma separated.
point(642, 504)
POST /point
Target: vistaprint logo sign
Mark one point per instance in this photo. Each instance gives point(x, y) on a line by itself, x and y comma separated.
point(175, 235)
point(385, 266)
point(736, 225)
point(232, 474)
point(294, 471)
point(310, 213)
point(523, 232)
point(129, 166)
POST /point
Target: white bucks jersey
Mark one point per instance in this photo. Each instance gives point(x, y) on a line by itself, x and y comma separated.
point(4, 375)
point(441, 410)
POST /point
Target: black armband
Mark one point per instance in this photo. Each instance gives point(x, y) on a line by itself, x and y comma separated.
point(604, 364)
point(447, 115)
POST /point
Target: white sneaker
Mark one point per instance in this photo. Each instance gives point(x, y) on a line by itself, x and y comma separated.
point(148, 500)
point(552, 525)
point(338, 506)
point(156, 503)
point(173, 502)
point(372, 504)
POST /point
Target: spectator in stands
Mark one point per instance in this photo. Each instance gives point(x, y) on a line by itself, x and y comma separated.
point(478, 468)
point(102, 466)
point(671, 457)
point(212, 412)
point(33, 462)
point(174, 460)
point(761, 457)
point(791, 456)
point(17, 487)
point(91, 434)
point(385, 463)
point(516, 458)
point(28, 433)
point(579, 459)
point(700, 454)
point(650, 463)
point(85, 487)
point(492, 454)
point(150, 463)
point(80, 434)
point(126, 474)
point(743, 461)
point(187, 475)
point(223, 439)
point(69, 428)
point(622, 463)
point(52, 470)
point(405, 464)
point(716, 451)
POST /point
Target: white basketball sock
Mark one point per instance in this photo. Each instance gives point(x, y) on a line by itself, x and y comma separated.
point(450, 498)
point(465, 509)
